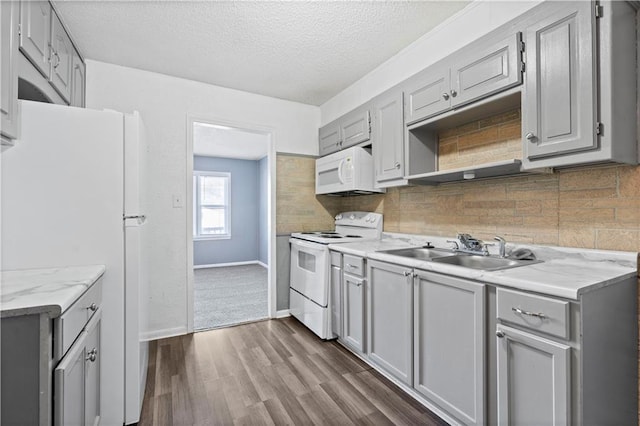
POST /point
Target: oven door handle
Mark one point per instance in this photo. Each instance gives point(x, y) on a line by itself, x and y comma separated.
point(306, 244)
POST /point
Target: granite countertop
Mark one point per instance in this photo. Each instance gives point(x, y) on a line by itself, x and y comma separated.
point(564, 272)
point(48, 291)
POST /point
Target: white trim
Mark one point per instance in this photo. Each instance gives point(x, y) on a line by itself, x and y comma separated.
point(264, 265)
point(283, 313)
point(271, 208)
point(162, 334)
point(221, 265)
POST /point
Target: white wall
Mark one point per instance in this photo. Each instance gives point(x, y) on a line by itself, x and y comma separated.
point(472, 22)
point(164, 103)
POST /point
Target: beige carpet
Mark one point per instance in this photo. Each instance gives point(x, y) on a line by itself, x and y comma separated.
point(229, 295)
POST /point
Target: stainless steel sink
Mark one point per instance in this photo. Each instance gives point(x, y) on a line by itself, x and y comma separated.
point(485, 263)
point(420, 253)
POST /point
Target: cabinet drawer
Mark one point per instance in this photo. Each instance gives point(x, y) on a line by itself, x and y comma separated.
point(70, 324)
point(354, 265)
point(538, 313)
point(336, 259)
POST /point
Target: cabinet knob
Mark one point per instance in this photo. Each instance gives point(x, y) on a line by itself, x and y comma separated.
point(445, 95)
point(530, 137)
point(454, 93)
point(57, 57)
point(407, 273)
point(92, 355)
point(500, 333)
point(397, 165)
point(93, 307)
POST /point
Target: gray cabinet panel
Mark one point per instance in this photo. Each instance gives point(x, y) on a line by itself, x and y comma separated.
point(336, 300)
point(390, 319)
point(560, 97)
point(78, 81)
point(9, 73)
point(449, 357)
point(92, 374)
point(62, 52)
point(428, 94)
point(35, 22)
point(355, 128)
point(533, 379)
point(388, 136)
point(353, 318)
point(486, 71)
point(69, 380)
point(329, 138)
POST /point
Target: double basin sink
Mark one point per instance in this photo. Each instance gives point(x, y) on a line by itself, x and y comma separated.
point(484, 263)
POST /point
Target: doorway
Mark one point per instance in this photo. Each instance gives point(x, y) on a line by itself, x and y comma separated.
point(230, 222)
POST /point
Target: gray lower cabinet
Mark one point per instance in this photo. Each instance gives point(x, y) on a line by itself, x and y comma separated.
point(353, 320)
point(9, 13)
point(388, 137)
point(449, 344)
point(533, 379)
point(390, 319)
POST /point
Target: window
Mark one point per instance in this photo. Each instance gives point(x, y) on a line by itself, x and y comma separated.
point(211, 205)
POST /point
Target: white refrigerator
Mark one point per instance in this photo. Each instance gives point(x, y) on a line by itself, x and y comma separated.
point(73, 194)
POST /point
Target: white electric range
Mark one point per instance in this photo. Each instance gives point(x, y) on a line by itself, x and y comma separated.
point(309, 298)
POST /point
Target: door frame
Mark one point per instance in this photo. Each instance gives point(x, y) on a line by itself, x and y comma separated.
point(270, 133)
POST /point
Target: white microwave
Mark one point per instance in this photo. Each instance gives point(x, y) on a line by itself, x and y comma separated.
point(349, 171)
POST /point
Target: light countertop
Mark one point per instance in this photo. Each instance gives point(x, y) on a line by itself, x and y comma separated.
point(564, 272)
point(48, 290)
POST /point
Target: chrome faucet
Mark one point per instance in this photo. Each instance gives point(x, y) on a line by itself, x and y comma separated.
point(501, 246)
point(465, 243)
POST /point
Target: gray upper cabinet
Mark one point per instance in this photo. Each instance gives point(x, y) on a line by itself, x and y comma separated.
point(449, 345)
point(390, 319)
point(62, 53)
point(486, 70)
point(427, 94)
point(388, 136)
point(533, 379)
point(35, 35)
point(78, 79)
point(329, 138)
point(560, 95)
point(9, 14)
point(351, 129)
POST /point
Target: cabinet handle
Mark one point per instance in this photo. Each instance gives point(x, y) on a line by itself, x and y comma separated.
point(445, 95)
point(531, 314)
point(92, 355)
point(55, 55)
point(500, 333)
point(351, 266)
point(454, 93)
point(407, 273)
point(397, 165)
point(93, 307)
point(530, 137)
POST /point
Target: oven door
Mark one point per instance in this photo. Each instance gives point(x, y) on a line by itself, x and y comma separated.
point(310, 270)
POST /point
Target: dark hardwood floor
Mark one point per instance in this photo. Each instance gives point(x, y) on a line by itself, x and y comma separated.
point(269, 372)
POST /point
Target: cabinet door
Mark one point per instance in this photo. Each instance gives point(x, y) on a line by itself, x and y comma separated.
point(486, 70)
point(427, 95)
point(69, 382)
point(35, 24)
point(61, 59)
point(329, 138)
point(353, 318)
point(9, 72)
point(336, 300)
point(390, 319)
point(449, 344)
point(355, 128)
point(533, 379)
point(78, 81)
point(560, 97)
point(92, 372)
point(388, 137)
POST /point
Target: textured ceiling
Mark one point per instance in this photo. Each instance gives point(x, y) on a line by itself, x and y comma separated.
point(226, 142)
point(305, 51)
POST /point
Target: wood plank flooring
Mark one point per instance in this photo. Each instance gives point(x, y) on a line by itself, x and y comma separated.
point(273, 372)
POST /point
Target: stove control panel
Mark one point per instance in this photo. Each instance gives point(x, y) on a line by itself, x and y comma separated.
point(360, 219)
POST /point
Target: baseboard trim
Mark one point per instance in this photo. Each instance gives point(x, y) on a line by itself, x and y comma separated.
point(283, 313)
point(264, 265)
point(162, 334)
point(221, 265)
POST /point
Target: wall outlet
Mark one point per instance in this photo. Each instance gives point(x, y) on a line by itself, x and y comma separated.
point(177, 202)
